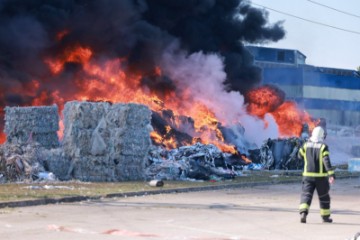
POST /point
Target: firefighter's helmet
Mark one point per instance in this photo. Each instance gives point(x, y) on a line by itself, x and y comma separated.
point(318, 134)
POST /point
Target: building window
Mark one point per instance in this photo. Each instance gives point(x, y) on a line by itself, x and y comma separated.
point(281, 56)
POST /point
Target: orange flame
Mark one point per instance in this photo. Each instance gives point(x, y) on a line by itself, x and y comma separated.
point(247, 160)
point(263, 100)
point(62, 34)
point(109, 81)
point(290, 119)
point(288, 116)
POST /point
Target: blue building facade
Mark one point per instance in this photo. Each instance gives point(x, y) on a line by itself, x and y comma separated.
point(330, 93)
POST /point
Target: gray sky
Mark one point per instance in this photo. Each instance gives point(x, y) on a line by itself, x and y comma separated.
point(322, 45)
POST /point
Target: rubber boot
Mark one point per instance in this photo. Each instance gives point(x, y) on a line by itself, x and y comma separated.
point(303, 217)
point(327, 219)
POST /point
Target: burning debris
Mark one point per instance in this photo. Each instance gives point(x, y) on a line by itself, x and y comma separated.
point(198, 161)
point(183, 62)
point(111, 142)
point(173, 52)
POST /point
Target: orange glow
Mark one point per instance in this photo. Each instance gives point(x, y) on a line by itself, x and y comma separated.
point(226, 148)
point(41, 99)
point(263, 99)
point(247, 160)
point(288, 116)
point(156, 137)
point(77, 55)
point(110, 80)
point(60, 132)
point(61, 35)
point(290, 119)
point(158, 71)
point(2, 137)
point(169, 142)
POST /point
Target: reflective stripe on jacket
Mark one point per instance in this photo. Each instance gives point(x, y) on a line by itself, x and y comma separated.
point(316, 159)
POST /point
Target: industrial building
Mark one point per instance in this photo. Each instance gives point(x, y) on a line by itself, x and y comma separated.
point(330, 93)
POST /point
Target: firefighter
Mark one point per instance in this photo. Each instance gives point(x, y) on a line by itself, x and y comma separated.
point(318, 174)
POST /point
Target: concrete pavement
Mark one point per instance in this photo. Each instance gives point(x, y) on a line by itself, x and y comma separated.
point(259, 212)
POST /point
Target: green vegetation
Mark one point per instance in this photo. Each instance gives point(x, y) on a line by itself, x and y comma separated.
point(56, 190)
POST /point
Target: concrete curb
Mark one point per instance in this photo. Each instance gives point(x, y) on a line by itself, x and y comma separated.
point(45, 201)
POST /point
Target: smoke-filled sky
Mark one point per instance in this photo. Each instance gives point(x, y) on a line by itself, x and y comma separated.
point(203, 38)
point(330, 37)
point(137, 29)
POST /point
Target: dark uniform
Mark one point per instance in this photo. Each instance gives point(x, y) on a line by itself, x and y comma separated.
point(317, 169)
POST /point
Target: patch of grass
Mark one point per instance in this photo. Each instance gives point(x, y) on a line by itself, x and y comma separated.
point(42, 190)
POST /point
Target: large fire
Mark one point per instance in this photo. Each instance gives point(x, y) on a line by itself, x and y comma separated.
point(289, 118)
point(106, 80)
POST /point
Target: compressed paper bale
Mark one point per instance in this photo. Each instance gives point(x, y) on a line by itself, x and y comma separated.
point(98, 169)
point(127, 160)
point(24, 125)
point(139, 116)
point(116, 116)
point(83, 115)
point(131, 172)
point(119, 133)
point(99, 139)
point(35, 119)
point(130, 168)
point(48, 140)
point(129, 115)
point(80, 121)
point(40, 119)
point(78, 142)
point(55, 161)
point(98, 145)
point(136, 147)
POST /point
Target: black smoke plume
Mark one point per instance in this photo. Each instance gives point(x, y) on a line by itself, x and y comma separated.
point(138, 30)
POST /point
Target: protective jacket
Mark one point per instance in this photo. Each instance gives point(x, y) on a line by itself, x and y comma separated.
point(316, 159)
point(317, 168)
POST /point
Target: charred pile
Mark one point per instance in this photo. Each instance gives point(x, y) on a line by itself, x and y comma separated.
point(199, 161)
point(169, 136)
point(278, 154)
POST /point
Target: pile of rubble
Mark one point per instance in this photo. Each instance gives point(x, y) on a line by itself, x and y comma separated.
point(199, 161)
point(206, 162)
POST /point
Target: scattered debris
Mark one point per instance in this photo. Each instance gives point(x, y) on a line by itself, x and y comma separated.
point(156, 183)
point(48, 187)
point(198, 161)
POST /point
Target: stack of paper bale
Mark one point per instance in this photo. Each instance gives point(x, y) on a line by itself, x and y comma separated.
point(106, 142)
point(24, 125)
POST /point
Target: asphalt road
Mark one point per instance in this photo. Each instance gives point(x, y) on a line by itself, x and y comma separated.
point(261, 212)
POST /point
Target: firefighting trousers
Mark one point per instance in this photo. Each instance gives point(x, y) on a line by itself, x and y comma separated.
point(322, 186)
